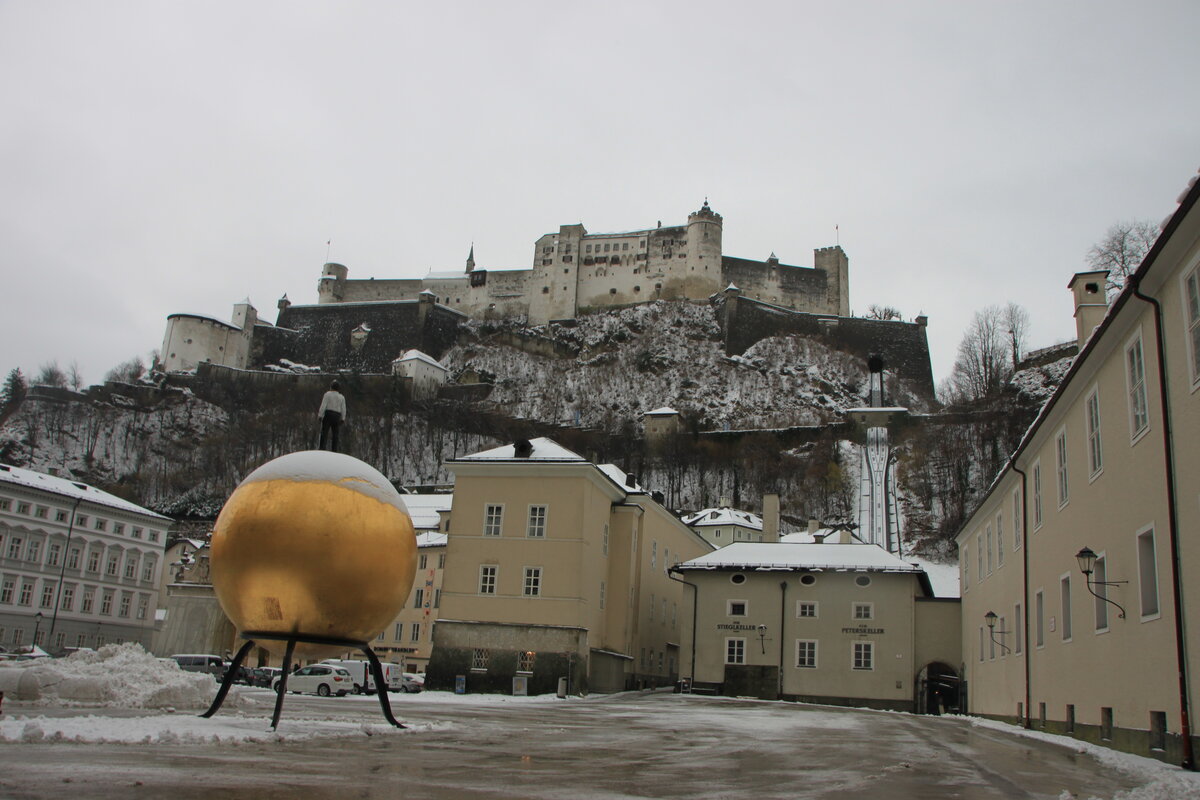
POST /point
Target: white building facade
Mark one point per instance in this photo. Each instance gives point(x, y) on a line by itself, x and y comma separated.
point(78, 567)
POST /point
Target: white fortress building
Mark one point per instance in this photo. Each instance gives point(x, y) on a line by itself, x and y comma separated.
point(574, 271)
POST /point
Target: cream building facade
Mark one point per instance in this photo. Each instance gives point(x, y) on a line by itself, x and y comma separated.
point(1111, 467)
point(842, 624)
point(557, 567)
point(78, 567)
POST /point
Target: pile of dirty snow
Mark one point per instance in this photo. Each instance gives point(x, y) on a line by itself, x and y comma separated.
point(118, 676)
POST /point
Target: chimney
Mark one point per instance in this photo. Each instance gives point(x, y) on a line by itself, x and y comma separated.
point(1091, 302)
point(724, 502)
point(814, 525)
point(770, 518)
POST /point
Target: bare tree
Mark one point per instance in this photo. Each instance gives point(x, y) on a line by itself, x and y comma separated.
point(883, 312)
point(127, 371)
point(1122, 249)
point(982, 366)
point(51, 374)
point(74, 376)
point(1016, 320)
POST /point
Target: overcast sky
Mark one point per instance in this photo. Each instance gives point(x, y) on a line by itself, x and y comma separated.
point(162, 157)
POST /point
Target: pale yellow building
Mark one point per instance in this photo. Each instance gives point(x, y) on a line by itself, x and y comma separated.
point(1110, 468)
point(843, 624)
point(557, 567)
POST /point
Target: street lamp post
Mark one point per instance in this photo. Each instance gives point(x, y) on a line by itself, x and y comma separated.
point(37, 627)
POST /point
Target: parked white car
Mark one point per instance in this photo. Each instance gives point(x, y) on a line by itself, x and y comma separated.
point(322, 679)
point(413, 682)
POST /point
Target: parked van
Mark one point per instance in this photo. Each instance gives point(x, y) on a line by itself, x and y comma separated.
point(200, 662)
point(364, 682)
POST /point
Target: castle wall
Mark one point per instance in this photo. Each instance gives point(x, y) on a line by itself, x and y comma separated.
point(192, 339)
point(797, 288)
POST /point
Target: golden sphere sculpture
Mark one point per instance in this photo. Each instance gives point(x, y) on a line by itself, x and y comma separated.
point(315, 544)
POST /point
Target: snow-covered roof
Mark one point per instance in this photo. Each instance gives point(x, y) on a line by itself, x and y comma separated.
point(711, 517)
point(618, 476)
point(206, 318)
point(445, 275)
point(788, 556)
point(815, 537)
point(424, 508)
point(431, 539)
point(72, 489)
point(417, 355)
point(543, 450)
point(665, 411)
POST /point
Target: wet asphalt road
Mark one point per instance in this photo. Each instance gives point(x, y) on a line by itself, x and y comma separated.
point(630, 745)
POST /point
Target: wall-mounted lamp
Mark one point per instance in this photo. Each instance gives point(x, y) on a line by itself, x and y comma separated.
point(990, 618)
point(1087, 564)
point(762, 637)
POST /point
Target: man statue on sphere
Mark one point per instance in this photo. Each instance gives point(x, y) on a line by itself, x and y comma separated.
point(332, 413)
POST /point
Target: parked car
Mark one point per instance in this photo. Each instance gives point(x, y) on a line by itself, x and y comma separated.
point(364, 681)
point(200, 662)
point(323, 679)
point(265, 676)
point(413, 682)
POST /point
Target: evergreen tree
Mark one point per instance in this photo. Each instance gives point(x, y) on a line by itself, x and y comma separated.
point(14, 388)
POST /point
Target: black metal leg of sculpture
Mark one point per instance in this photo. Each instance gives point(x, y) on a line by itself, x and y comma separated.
point(381, 687)
point(287, 667)
point(227, 681)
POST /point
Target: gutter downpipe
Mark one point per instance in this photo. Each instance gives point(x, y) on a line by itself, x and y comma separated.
point(695, 598)
point(1185, 725)
point(63, 572)
point(1026, 649)
point(782, 622)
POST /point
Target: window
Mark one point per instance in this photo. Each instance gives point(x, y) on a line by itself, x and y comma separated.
point(480, 658)
point(22, 508)
point(1065, 585)
point(7, 589)
point(60, 515)
point(35, 550)
point(126, 601)
point(1018, 519)
point(1018, 629)
point(1037, 495)
point(487, 579)
point(603, 591)
point(118, 529)
point(525, 661)
point(1039, 606)
point(422, 561)
point(5, 504)
point(979, 558)
point(398, 633)
point(654, 553)
point(1191, 317)
point(60, 639)
point(604, 547)
point(966, 568)
point(154, 536)
point(442, 556)
point(143, 605)
point(73, 558)
point(493, 517)
point(536, 529)
point(137, 533)
point(48, 594)
point(40, 512)
point(1147, 573)
point(989, 549)
point(1060, 451)
point(148, 570)
point(1095, 456)
point(131, 567)
point(80, 639)
point(81, 520)
point(864, 655)
point(532, 584)
point(89, 599)
point(26, 597)
point(806, 609)
point(806, 653)
point(14, 547)
point(863, 610)
point(437, 598)
point(1100, 573)
point(68, 597)
point(1135, 381)
point(737, 608)
point(981, 645)
point(99, 524)
point(652, 606)
point(93, 564)
point(418, 597)
point(415, 632)
point(53, 554)
point(106, 601)
point(111, 570)
point(735, 651)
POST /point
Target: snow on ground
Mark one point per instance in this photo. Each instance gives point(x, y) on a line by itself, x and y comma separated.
point(1160, 781)
point(943, 577)
point(117, 676)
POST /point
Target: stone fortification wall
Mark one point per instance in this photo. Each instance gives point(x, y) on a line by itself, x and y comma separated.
point(903, 345)
point(371, 290)
point(191, 339)
point(797, 288)
point(256, 390)
point(361, 337)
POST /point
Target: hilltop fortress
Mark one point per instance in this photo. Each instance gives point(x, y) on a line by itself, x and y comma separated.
point(364, 325)
point(574, 272)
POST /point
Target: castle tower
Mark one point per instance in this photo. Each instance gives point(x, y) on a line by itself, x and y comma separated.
point(703, 251)
point(836, 265)
point(471, 259)
point(332, 284)
point(554, 282)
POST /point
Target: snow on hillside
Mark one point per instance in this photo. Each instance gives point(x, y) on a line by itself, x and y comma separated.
point(636, 359)
point(1039, 383)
